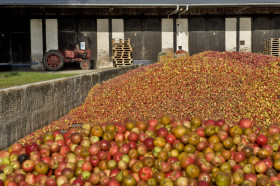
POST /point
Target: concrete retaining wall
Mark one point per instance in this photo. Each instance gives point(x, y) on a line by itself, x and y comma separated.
point(25, 109)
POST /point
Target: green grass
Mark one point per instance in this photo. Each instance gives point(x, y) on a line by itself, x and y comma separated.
point(10, 79)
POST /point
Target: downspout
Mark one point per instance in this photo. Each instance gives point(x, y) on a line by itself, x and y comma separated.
point(187, 8)
point(175, 11)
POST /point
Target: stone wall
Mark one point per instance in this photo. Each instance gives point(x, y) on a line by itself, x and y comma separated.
point(25, 109)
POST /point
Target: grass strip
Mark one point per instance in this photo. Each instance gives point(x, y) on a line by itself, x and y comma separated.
point(17, 78)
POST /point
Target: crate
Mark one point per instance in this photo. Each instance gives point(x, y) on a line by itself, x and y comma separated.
point(272, 46)
point(122, 52)
point(122, 48)
point(122, 62)
point(125, 41)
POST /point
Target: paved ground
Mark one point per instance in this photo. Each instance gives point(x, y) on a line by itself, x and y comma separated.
point(67, 69)
point(74, 71)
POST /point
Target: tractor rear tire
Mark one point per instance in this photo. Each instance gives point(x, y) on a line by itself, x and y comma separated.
point(53, 60)
point(85, 64)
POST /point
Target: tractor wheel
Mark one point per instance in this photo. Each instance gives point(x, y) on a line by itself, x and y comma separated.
point(85, 64)
point(53, 60)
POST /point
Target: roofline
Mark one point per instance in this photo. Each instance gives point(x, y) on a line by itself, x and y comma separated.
point(144, 5)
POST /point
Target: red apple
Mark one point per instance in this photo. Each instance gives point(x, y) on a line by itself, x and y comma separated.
point(245, 123)
point(28, 165)
point(114, 183)
point(162, 132)
point(64, 150)
point(19, 177)
point(170, 138)
point(78, 182)
point(273, 129)
point(220, 122)
point(200, 132)
point(41, 179)
point(120, 128)
point(251, 177)
point(46, 159)
point(152, 122)
point(119, 137)
point(132, 144)
point(76, 138)
point(68, 173)
point(209, 122)
point(34, 155)
point(54, 147)
point(45, 152)
point(261, 139)
point(86, 166)
point(61, 180)
point(30, 178)
point(16, 147)
point(104, 145)
point(239, 156)
point(222, 135)
point(145, 173)
point(260, 167)
point(133, 136)
point(113, 150)
point(94, 178)
point(124, 149)
point(94, 161)
point(50, 181)
point(268, 162)
point(236, 167)
point(94, 149)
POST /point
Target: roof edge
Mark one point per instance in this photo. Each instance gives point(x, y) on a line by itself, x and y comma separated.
point(141, 5)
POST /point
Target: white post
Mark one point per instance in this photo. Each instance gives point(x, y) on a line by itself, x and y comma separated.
point(117, 28)
point(167, 34)
point(36, 36)
point(103, 58)
point(51, 34)
point(245, 35)
point(230, 34)
point(182, 34)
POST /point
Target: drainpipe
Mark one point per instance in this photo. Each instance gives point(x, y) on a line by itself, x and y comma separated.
point(187, 8)
point(175, 11)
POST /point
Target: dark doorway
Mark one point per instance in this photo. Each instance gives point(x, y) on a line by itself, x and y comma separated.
point(264, 27)
point(145, 36)
point(5, 47)
point(15, 40)
point(206, 33)
point(73, 31)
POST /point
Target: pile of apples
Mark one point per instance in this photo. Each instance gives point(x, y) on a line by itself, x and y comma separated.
point(229, 85)
point(164, 151)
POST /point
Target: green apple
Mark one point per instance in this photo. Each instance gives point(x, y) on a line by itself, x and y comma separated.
point(86, 175)
point(3, 176)
point(8, 170)
point(6, 160)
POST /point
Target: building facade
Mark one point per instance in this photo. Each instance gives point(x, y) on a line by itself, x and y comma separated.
point(30, 29)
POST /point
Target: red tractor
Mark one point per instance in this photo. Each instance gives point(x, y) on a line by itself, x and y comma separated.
point(55, 59)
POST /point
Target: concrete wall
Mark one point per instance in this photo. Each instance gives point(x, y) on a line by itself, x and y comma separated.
point(182, 34)
point(167, 34)
point(230, 34)
point(245, 34)
point(25, 109)
point(36, 37)
point(103, 58)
